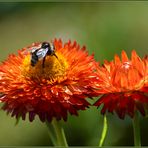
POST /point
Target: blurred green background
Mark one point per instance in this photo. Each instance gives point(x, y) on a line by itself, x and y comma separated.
point(105, 28)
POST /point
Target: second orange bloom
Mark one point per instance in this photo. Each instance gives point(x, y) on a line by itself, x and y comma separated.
point(124, 85)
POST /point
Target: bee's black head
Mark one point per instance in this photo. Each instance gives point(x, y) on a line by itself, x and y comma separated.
point(45, 45)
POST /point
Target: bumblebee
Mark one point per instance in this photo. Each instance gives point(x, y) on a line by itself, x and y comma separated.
point(46, 49)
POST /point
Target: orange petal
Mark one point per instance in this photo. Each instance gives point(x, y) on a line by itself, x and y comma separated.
point(117, 59)
point(124, 56)
point(137, 62)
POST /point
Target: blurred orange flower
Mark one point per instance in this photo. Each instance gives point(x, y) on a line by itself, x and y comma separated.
point(124, 85)
point(60, 87)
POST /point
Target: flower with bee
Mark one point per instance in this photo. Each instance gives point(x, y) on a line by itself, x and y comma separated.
point(48, 80)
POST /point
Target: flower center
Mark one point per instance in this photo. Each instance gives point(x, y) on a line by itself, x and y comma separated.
point(127, 76)
point(54, 67)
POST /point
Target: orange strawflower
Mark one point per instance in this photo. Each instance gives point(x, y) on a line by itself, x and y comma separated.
point(61, 86)
point(124, 85)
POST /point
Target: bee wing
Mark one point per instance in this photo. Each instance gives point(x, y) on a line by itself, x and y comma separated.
point(33, 49)
point(41, 53)
point(29, 50)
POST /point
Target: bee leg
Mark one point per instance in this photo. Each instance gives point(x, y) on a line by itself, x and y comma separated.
point(43, 64)
point(55, 55)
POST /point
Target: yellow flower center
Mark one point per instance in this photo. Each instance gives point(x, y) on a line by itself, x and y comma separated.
point(53, 67)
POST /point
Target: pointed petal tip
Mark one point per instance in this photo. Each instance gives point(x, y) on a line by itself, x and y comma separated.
point(124, 56)
point(117, 59)
point(134, 52)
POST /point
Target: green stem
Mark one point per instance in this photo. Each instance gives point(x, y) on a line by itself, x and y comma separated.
point(136, 130)
point(56, 133)
point(104, 131)
point(60, 135)
point(51, 133)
